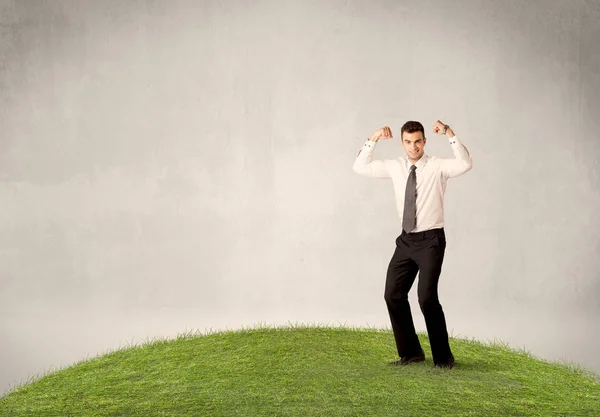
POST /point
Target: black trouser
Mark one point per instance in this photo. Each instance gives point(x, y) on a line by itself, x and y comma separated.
point(421, 252)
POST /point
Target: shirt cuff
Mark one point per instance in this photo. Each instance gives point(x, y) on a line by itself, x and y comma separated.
point(367, 147)
point(453, 140)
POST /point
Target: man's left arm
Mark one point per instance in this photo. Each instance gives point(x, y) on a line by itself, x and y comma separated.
point(462, 161)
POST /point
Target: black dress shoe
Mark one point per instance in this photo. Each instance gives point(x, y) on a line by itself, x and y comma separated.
point(447, 364)
point(409, 359)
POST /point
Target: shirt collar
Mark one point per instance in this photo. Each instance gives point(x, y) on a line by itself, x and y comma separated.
point(419, 164)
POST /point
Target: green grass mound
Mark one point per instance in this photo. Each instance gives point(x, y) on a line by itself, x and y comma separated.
point(306, 371)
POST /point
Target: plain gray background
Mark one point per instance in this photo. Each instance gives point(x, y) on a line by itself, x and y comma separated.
point(176, 165)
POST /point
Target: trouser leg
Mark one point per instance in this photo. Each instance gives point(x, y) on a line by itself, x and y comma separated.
point(401, 274)
point(429, 259)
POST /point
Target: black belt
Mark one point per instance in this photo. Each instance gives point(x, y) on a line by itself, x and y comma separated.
point(424, 234)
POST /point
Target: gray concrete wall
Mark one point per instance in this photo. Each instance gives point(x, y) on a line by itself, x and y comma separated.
point(176, 165)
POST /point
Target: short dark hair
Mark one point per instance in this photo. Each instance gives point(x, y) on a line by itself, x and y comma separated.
point(411, 127)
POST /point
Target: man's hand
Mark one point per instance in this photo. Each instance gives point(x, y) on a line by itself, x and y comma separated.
point(439, 126)
point(383, 133)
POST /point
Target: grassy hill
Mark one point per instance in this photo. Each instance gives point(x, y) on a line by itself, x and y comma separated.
point(306, 371)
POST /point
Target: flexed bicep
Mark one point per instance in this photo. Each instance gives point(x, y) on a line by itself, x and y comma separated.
point(375, 169)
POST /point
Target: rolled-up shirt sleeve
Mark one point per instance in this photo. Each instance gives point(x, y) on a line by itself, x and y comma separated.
point(364, 165)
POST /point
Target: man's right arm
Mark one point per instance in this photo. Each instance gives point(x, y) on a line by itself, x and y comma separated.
point(363, 164)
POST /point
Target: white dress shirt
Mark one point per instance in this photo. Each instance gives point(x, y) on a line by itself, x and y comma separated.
point(432, 176)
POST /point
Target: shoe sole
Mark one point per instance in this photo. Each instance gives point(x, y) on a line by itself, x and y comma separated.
point(444, 365)
point(412, 360)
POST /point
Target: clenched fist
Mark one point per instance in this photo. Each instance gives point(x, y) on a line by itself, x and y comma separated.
point(383, 133)
point(442, 129)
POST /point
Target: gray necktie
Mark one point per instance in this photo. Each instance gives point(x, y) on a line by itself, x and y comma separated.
point(409, 219)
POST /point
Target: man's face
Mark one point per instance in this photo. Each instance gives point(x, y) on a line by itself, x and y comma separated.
point(413, 145)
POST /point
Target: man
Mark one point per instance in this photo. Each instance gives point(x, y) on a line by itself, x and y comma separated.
point(419, 184)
